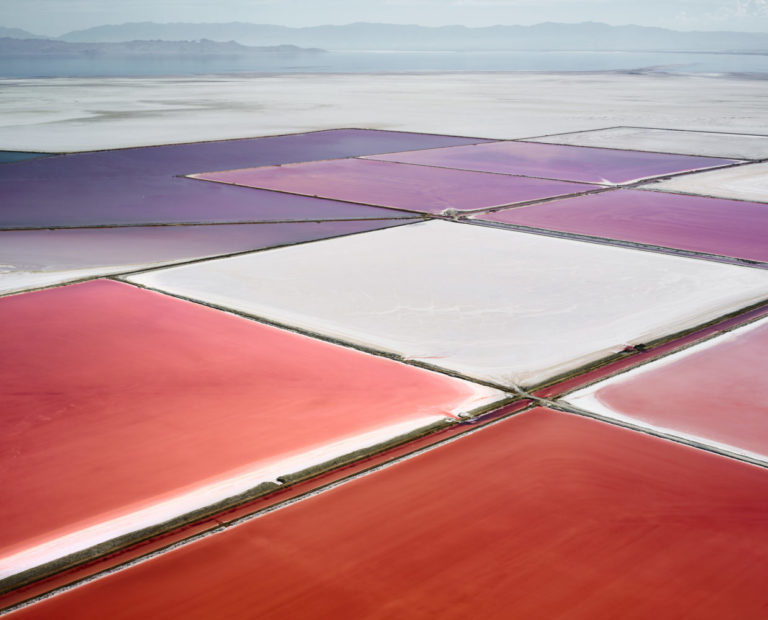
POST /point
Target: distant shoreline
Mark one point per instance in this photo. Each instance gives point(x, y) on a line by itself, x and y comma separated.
point(746, 76)
point(44, 48)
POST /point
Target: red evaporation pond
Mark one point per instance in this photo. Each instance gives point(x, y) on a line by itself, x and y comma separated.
point(122, 406)
point(716, 391)
point(413, 188)
point(725, 227)
point(554, 161)
point(545, 515)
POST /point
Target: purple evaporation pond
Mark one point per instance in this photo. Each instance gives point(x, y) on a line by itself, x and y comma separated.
point(101, 201)
point(140, 186)
point(172, 159)
point(553, 161)
point(713, 226)
point(414, 188)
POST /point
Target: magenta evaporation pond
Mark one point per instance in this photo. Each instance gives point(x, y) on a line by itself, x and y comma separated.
point(414, 188)
point(714, 226)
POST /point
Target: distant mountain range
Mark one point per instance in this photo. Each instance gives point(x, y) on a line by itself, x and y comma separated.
point(18, 33)
point(16, 47)
point(587, 36)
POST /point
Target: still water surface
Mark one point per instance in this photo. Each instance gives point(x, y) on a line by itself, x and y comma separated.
point(379, 62)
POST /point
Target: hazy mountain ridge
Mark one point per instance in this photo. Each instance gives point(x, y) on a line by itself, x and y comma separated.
point(587, 36)
point(18, 33)
point(51, 47)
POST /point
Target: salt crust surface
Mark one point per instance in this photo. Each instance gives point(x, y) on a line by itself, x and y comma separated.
point(73, 114)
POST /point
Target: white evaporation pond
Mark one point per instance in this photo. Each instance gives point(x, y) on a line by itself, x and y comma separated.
point(706, 143)
point(38, 258)
point(495, 305)
point(748, 182)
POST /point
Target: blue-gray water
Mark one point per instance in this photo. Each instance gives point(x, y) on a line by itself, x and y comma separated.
point(377, 62)
point(9, 157)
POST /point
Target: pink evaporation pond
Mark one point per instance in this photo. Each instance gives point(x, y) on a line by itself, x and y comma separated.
point(716, 392)
point(123, 407)
point(554, 161)
point(545, 515)
point(713, 226)
point(413, 188)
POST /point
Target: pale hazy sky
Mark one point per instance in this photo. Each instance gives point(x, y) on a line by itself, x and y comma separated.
point(53, 17)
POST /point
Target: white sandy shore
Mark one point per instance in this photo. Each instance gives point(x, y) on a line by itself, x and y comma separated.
point(70, 114)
